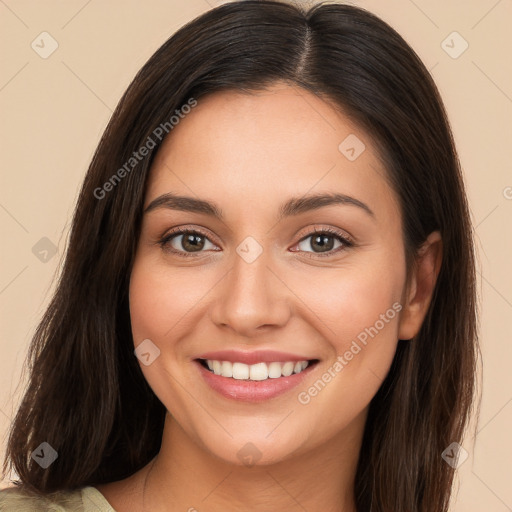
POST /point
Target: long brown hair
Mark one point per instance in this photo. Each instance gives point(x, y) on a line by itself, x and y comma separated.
point(87, 396)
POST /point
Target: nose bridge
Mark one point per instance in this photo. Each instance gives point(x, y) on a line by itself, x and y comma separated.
point(251, 296)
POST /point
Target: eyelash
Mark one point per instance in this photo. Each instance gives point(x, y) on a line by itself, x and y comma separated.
point(347, 243)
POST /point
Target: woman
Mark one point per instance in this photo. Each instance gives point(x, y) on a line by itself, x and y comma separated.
point(268, 299)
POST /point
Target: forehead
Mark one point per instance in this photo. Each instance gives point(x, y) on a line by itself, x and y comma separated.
point(263, 146)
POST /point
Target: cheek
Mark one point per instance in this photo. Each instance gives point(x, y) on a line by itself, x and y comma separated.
point(348, 300)
point(160, 305)
point(375, 309)
point(161, 302)
point(357, 309)
point(146, 305)
point(368, 308)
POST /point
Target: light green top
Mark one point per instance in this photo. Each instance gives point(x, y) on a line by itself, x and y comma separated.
point(86, 499)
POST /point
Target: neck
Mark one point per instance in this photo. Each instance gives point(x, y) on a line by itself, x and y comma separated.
point(184, 476)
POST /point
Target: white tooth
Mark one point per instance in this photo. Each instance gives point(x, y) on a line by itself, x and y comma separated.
point(258, 371)
point(287, 369)
point(240, 371)
point(227, 369)
point(217, 367)
point(274, 370)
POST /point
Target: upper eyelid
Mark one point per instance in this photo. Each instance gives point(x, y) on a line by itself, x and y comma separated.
point(330, 231)
point(184, 230)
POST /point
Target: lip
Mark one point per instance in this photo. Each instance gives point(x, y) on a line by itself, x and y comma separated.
point(252, 390)
point(254, 356)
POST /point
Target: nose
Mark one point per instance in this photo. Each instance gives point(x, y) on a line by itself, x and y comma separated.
point(251, 299)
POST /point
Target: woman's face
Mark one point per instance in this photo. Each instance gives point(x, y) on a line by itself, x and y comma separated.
point(255, 282)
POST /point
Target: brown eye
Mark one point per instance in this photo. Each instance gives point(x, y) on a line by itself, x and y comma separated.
point(186, 242)
point(324, 243)
point(191, 242)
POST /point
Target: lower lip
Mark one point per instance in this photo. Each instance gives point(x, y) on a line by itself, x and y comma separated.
point(252, 390)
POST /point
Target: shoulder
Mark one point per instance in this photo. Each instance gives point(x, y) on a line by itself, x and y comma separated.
point(21, 499)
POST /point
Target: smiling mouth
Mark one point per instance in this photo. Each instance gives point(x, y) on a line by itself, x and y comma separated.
point(255, 372)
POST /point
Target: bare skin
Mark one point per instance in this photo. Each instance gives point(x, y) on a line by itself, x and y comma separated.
point(248, 154)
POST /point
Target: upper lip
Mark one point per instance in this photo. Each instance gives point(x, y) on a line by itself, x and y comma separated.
point(253, 357)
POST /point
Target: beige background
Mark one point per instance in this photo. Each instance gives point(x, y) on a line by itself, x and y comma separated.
point(54, 110)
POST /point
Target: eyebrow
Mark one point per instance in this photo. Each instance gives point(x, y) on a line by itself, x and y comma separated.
point(293, 206)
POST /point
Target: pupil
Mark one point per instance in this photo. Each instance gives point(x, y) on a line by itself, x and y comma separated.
point(192, 241)
point(321, 241)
